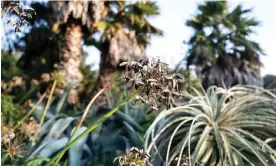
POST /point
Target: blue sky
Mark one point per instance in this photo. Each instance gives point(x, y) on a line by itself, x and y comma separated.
point(174, 13)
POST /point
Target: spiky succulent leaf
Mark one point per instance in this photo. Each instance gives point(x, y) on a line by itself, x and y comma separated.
point(235, 123)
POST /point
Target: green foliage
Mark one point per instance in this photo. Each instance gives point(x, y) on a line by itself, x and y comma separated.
point(40, 54)
point(98, 147)
point(130, 17)
point(8, 66)
point(219, 32)
point(221, 126)
point(190, 82)
point(89, 79)
point(10, 112)
point(229, 127)
point(270, 81)
point(121, 131)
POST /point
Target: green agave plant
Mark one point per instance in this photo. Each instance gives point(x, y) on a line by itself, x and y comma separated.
point(121, 131)
point(233, 126)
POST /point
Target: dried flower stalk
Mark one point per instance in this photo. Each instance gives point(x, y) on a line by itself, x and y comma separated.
point(14, 149)
point(31, 130)
point(7, 134)
point(134, 157)
point(158, 86)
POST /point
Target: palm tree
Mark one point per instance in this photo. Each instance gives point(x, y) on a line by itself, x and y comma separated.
point(125, 35)
point(71, 19)
point(220, 48)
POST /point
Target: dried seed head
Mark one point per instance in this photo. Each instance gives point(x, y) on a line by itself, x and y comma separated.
point(157, 85)
point(31, 130)
point(7, 134)
point(17, 81)
point(134, 157)
point(45, 77)
point(34, 82)
point(14, 149)
point(184, 161)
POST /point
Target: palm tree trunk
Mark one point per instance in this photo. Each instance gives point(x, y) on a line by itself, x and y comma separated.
point(105, 79)
point(121, 47)
point(70, 56)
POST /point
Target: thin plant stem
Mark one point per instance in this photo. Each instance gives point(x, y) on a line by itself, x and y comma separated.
point(48, 103)
point(88, 107)
point(30, 112)
point(63, 98)
point(91, 128)
point(83, 117)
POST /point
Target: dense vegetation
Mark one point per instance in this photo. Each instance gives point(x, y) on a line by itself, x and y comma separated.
point(133, 110)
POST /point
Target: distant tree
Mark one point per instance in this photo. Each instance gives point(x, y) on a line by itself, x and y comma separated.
point(54, 42)
point(220, 48)
point(125, 35)
point(70, 19)
point(122, 26)
point(40, 51)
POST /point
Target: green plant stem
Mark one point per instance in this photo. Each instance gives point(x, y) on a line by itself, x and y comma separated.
point(30, 112)
point(48, 103)
point(83, 117)
point(30, 162)
point(91, 128)
point(63, 98)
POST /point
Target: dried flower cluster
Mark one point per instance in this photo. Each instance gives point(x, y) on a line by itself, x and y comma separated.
point(10, 142)
point(15, 82)
point(184, 161)
point(14, 149)
point(34, 82)
point(31, 129)
point(7, 134)
point(157, 85)
point(134, 157)
point(13, 8)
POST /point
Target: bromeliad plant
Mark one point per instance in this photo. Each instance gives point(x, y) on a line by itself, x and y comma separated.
point(219, 127)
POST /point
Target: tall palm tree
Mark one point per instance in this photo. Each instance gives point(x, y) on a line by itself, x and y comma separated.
point(71, 19)
point(220, 47)
point(125, 35)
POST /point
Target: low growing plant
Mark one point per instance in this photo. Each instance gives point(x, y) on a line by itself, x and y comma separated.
point(219, 127)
